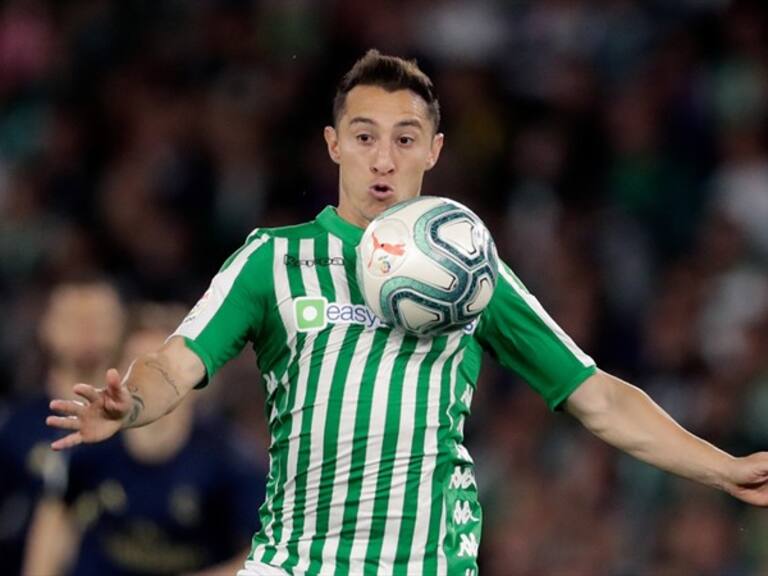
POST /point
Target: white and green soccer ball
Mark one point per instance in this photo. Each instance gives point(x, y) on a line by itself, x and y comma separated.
point(427, 266)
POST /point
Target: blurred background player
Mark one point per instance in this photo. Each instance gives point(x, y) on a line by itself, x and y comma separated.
point(176, 497)
point(80, 333)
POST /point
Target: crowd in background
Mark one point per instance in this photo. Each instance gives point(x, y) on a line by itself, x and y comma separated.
point(617, 149)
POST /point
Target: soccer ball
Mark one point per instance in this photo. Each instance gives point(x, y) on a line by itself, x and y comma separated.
point(427, 266)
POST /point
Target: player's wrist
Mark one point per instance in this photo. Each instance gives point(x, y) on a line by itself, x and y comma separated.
point(132, 417)
point(724, 474)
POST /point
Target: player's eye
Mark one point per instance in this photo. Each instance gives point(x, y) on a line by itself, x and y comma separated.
point(364, 138)
point(405, 140)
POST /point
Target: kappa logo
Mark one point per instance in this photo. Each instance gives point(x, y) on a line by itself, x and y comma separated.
point(462, 513)
point(311, 262)
point(314, 313)
point(462, 479)
point(468, 546)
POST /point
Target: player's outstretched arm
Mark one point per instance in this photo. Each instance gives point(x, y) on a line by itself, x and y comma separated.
point(626, 417)
point(153, 386)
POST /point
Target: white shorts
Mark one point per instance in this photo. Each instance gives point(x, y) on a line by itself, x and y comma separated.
point(254, 568)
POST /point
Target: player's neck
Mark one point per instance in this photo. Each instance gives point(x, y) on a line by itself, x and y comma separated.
point(351, 216)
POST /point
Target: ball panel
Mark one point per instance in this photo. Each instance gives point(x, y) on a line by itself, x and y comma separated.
point(459, 234)
point(418, 317)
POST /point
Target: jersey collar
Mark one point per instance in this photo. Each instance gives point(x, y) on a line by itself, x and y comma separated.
point(336, 225)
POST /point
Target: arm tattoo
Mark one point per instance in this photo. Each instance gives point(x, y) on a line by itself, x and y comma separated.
point(138, 407)
point(154, 364)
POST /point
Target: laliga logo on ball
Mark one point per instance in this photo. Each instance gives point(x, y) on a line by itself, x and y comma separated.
point(384, 261)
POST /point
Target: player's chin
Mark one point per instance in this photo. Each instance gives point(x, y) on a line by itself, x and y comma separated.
point(376, 207)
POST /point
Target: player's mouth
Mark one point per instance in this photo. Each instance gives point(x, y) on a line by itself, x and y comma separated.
point(381, 191)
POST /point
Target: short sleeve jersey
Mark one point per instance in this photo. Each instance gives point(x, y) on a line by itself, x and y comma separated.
point(368, 473)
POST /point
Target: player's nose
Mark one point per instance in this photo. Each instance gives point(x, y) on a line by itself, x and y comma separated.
point(383, 161)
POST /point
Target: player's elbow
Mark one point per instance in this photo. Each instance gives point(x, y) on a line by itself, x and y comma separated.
point(594, 402)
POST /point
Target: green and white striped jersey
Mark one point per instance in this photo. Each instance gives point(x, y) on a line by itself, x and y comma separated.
point(368, 474)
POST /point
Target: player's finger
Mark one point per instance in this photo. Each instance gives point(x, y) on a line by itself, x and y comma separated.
point(64, 422)
point(67, 442)
point(114, 386)
point(68, 407)
point(113, 378)
point(88, 392)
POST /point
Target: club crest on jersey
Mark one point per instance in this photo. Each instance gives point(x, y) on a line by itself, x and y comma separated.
point(197, 307)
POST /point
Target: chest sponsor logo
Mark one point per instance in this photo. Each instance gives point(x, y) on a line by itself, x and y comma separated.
point(311, 262)
point(315, 313)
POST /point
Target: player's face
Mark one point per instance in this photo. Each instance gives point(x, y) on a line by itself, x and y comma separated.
point(383, 144)
point(83, 325)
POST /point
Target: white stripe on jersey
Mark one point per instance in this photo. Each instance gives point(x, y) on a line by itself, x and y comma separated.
point(421, 527)
point(375, 444)
point(405, 442)
point(256, 568)
point(403, 453)
point(285, 308)
point(539, 310)
point(347, 421)
point(319, 416)
point(312, 288)
point(442, 560)
point(222, 283)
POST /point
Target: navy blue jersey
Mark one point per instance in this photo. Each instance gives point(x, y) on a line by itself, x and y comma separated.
point(25, 458)
point(196, 509)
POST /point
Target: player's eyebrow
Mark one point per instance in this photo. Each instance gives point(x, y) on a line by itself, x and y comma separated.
point(361, 120)
point(410, 122)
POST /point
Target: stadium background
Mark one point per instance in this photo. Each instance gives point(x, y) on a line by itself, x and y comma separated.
point(617, 150)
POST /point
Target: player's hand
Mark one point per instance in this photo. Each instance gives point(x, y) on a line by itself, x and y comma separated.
point(98, 416)
point(748, 479)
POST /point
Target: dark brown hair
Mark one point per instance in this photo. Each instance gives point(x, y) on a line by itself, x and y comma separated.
point(390, 73)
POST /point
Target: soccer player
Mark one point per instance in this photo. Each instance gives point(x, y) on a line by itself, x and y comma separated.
point(368, 472)
point(179, 496)
point(79, 333)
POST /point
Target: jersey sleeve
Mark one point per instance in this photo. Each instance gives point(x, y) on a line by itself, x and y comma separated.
point(519, 333)
point(232, 310)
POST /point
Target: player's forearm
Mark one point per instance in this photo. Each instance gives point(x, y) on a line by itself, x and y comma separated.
point(151, 392)
point(629, 419)
point(155, 389)
point(158, 382)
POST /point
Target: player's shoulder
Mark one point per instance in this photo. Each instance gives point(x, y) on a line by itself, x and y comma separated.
point(258, 249)
point(308, 229)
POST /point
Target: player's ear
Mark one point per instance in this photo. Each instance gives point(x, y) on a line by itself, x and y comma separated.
point(332, 141)
point(435, 148)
